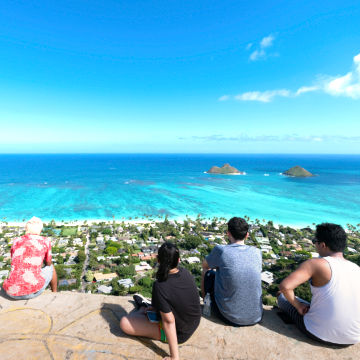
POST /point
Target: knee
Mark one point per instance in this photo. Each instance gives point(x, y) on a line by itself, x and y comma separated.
point(125, 325)
point(281, 300)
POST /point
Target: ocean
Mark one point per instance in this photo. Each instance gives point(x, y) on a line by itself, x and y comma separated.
point(123, 186)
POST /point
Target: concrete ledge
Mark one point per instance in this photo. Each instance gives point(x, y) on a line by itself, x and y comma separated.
point(71, 326)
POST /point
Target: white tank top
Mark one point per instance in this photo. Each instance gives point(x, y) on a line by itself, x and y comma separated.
point(334, 314)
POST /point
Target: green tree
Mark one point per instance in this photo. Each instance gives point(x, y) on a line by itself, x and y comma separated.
point(126, 271)
point(80, 256)
point(106, 231)
point(89, 276)
point(304, 292)
point(111, 250)
point(60, 271)
point(192, 242)
point(135, 289)
point(146, 282)
point(118, 290)
point(59, 259)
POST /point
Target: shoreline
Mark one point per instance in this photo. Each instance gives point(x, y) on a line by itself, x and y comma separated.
point(81, 222)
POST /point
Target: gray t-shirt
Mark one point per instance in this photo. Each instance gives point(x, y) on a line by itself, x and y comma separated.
point(237, 282)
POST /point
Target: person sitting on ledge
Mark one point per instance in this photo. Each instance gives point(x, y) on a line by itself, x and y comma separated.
point(27, 279)
point(333, 316)
point(175, 312)
point(235, 287)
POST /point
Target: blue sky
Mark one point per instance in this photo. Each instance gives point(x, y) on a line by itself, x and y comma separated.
point(180, 76)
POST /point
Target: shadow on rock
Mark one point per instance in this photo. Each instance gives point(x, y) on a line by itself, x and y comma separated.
point(113, 313)
point(274, 323)
point(5, 296)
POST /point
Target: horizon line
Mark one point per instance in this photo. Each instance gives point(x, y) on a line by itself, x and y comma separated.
point(171, 153)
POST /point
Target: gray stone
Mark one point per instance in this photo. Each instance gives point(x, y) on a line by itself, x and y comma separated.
point(71, 326)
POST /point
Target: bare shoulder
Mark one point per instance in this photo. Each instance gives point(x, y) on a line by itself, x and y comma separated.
point(315, 265)
point(321, 271)
point(318, 263)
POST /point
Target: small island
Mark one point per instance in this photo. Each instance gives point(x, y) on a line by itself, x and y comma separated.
point(226, 169)
point(297, 171)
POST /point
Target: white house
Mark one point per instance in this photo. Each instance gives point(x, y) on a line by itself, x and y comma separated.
point(126, 282)
point(193, 260)
point(144, 266)
point(103, 289)
point(263, 241)
point(4, 273)
point(267, 277)
point(77, 241)
point(265, 248)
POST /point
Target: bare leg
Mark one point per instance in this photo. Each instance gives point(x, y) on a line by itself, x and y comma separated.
point(53, 282)
point(137, 324)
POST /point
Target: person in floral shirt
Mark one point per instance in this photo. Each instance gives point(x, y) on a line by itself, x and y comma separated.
point(27, 278)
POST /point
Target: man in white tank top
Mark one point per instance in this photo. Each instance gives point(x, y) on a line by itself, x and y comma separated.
point(333, 316)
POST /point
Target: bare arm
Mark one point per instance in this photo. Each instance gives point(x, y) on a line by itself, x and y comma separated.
point(298, 277)
point(168, 321)
point(48, 263)
point(205, 268)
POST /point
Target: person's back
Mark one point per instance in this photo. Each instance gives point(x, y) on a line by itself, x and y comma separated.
point(238, 282)
point(334, 313)
point(179, 295)
point(28, 253)
point(333, 316)
point(27, 278)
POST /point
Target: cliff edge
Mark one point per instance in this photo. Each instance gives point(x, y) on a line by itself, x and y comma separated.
point(69, 325)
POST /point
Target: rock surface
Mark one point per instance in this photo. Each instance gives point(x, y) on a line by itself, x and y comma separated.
point(226, 169)
point(79, 326)
point(297, 171)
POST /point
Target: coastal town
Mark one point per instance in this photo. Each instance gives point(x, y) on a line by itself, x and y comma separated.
point(120, 257)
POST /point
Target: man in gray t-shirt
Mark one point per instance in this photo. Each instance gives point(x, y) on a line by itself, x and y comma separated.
point(235, 286)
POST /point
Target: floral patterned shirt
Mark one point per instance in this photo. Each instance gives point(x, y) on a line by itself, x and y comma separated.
point(27, 255)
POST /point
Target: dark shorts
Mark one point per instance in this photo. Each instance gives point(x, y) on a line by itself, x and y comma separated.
point(209, 282)
point(298, 319)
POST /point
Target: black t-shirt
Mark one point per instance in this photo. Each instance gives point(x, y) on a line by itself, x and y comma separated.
point(179, 295)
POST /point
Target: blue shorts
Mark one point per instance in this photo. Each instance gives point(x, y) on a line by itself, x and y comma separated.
point(47, 274)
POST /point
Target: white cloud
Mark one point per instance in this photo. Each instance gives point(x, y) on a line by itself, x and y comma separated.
point(224, 98)
point(260, 52)
point(275, 138)
point(306, 89)
point(267, 41)
point(257, 54)
point(264, 96)
point(346, 85)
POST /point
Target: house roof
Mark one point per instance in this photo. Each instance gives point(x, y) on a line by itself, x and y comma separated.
point(101, 276)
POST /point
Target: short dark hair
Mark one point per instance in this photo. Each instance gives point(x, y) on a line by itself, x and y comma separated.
point(238, 228)
point(334, 236)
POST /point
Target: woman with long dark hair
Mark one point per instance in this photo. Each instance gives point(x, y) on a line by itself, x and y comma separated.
point(175, 300)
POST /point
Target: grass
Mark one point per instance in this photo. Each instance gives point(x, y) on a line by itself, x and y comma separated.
point(69, 231)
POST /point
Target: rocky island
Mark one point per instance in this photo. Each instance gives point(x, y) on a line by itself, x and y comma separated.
point(226, 169)
point(297, 171)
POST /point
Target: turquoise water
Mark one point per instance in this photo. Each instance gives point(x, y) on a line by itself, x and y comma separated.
point(75, 187)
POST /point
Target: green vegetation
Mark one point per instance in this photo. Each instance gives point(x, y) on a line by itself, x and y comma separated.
point(298, 171)
point(68, 231)
point(120, 247)
point(224, 170)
